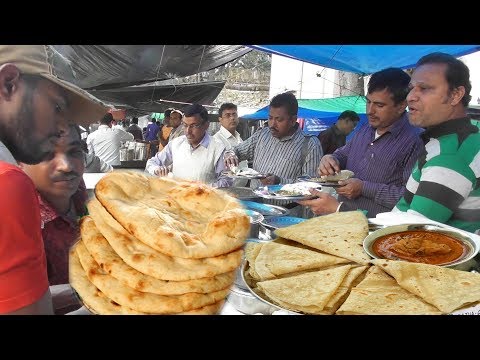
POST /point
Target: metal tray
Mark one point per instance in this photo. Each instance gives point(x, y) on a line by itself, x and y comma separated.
point(323, 183)
point(241, 193)
point(245, 177)
point(260, 191)
point(281, 221)
point(265, 209)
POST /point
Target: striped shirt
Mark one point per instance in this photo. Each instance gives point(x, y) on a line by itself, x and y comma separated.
point(383, 164)
point(445, 183)
point(282, 157)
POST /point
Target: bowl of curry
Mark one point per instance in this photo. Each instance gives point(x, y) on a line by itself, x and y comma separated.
point(421, 243)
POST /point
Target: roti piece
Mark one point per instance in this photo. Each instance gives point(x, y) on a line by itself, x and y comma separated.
point(140, 301)
point(154, 263)
point(343, 290)
point(340, 234)
point(379, 294)
point(308, 292)
point(447, 289)
point(342, 175)
point(113, 264)
point(251, 253)
point(276, 259)
point(178, 218)
point(92, 298)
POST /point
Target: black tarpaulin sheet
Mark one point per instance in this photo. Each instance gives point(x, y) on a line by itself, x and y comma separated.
point(114, 66)
point(147, 99)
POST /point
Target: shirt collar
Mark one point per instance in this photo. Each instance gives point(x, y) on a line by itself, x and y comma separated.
point(204, 142)
point(336, 130)
point(104, 127)
point(48, 212)
point(227, 134)
point(6, 155)
point(295, 133)
point(461, 126)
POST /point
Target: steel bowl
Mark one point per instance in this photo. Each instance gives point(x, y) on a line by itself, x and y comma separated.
point(471, 245)
point(255, 219)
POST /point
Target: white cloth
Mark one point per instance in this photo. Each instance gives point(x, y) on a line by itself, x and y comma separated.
point(229, 140)
point(6, 155)
point(105, 143)
point(197, 164)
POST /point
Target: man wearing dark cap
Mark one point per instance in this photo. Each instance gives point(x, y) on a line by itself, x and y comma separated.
point(36, 105)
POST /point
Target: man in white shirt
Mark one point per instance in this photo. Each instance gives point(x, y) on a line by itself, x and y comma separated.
point(228, 134)
point(193, 156)
point(106, 141)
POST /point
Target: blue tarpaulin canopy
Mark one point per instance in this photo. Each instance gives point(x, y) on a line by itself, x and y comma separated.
point(319, 108)
point(363, 59)
point(319, 114)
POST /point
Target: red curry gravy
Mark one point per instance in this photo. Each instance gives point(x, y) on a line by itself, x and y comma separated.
point(420, 246)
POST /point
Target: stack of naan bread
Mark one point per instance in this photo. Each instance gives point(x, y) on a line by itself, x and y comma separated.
point(319, 267)
point(157, 246)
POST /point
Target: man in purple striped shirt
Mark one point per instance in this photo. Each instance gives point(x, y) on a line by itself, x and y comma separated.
point(381, 153)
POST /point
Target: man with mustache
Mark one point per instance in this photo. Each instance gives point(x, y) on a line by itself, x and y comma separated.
point(194, 156)
point(35, 107)
point(445, 182)
point(62, 196)
point(282, 151)
point(381, 153)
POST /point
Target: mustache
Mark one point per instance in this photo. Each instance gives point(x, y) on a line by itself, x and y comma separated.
point(66, 176)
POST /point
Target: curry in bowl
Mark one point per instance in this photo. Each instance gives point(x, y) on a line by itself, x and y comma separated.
point(420, 243)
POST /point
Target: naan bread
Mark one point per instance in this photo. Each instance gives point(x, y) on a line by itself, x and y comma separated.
point(178, 218)
point(447, 289)
point(276, 259)
point(340, 234)
point(113, 264)
point(154, 263)
point(93, 298)
point(379, 294)
point(206, 310)
point(308, 292)
point(140, 301)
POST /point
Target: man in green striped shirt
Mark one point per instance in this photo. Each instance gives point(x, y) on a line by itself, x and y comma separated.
point(445, 182)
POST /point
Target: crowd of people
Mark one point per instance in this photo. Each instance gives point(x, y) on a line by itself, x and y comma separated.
point(424, 161)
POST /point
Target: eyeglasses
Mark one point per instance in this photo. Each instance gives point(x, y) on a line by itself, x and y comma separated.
point(229, 115)
point(192, 126)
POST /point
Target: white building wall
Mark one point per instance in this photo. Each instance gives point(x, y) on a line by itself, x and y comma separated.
point(473, 63)
point(289, 74)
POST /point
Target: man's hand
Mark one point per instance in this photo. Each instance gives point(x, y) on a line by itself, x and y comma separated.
point(324, 204)
point(162, 171)
point(270, 180)
point(351, 188)
point(329, 165)
point(230, 159)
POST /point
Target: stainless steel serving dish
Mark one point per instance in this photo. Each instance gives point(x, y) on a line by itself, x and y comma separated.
point(255, 219)
point(462, 263)
point(241, 193)
point(242, 300)
point(275, 307)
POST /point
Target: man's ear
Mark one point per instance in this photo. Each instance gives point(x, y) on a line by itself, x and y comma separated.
point(9, 79)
